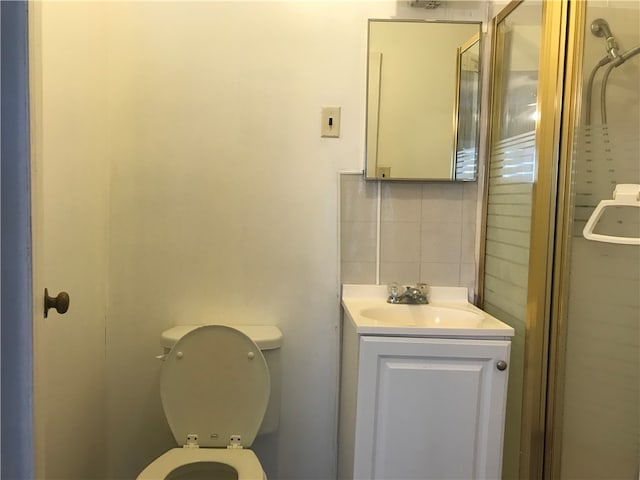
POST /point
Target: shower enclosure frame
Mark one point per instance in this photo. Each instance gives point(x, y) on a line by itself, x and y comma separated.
point(571, 104)
point(553, 44)
point(559, 104)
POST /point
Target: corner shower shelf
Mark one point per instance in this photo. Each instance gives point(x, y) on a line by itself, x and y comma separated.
point(624, 195)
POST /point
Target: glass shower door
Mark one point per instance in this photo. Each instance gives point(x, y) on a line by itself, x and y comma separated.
point(599, 400)
point(528, 63)
point(510, 179)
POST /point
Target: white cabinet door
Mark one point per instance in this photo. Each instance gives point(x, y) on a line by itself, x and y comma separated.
point(430, 408)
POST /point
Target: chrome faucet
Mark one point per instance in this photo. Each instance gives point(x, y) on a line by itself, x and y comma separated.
point(411, 295)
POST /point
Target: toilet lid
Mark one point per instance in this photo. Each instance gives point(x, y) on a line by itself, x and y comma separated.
point(215, 384)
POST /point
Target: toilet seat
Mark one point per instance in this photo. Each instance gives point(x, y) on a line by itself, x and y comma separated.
point(215, 388)
point(244, 462)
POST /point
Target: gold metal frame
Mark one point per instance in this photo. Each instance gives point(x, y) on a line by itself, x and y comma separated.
point(552, 49)
point(571, 107)
point(495, 73)
point(456, 101)
point(493, 119)
point(541, 253)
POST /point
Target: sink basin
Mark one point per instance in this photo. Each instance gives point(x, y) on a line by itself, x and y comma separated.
point(448, 314)
point(423, 316)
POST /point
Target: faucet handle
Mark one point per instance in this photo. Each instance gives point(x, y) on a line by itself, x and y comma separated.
point(424, 289)
point(393, 289)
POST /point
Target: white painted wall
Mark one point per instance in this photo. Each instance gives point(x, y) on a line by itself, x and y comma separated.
point(223, 205)
point(223, 201)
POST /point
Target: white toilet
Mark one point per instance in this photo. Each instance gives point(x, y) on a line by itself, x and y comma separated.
point(219, 387)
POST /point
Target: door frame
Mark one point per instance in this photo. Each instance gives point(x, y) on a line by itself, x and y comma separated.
point(37, 221)
point(16, 338)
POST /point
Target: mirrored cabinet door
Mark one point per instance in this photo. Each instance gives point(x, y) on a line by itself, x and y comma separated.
point(422, 77)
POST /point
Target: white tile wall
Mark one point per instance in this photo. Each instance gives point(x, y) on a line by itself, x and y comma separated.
point(358, 227)
point(427, 232)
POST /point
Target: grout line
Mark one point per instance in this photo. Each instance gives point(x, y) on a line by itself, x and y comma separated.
point(340, 173)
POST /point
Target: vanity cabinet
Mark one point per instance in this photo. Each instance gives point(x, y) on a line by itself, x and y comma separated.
point(421, 408)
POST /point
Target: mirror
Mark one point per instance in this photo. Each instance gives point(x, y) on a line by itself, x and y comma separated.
point(422, 100)
point(467, 109)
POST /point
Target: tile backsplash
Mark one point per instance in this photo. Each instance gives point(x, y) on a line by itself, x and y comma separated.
point(424, 232)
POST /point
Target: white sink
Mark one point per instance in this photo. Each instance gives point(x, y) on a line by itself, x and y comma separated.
point(424, 315)
point(448, 314)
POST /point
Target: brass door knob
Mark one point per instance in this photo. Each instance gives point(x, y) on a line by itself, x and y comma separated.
point(60, 302)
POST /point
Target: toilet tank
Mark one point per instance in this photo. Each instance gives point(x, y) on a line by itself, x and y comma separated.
point(268, 338)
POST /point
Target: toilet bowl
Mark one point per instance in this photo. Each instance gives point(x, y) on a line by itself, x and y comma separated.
point(215, 388)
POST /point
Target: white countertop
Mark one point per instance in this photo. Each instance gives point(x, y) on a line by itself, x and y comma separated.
point(449, 314)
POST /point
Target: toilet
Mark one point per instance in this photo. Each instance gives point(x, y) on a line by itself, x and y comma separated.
point(219, 387)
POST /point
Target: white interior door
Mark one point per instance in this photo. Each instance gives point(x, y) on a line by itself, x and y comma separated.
point(69, 181)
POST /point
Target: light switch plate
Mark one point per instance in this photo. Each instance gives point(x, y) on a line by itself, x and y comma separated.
point(330, 122)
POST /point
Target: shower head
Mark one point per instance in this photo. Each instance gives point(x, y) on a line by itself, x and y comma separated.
point(600, 28)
